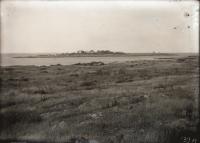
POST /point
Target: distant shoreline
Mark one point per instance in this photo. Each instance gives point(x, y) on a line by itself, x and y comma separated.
point(98, 55)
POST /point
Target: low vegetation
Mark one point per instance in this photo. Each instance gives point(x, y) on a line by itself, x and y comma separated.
point(135, 101)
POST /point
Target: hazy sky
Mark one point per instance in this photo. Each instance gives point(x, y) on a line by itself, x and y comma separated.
point(67, 26)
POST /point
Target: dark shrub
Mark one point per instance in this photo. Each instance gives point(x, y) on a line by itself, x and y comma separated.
point(88, 83)
point(10, 118)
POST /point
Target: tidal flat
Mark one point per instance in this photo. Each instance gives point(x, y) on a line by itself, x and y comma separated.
point(147, 101)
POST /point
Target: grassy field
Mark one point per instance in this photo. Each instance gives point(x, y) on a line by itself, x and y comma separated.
point(131, 102)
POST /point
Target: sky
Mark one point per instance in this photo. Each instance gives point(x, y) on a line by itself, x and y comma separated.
point(127, 26)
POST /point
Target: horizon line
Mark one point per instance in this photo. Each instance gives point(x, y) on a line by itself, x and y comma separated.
point(111, 51)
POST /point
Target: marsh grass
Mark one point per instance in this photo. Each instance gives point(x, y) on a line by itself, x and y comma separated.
point(140, 101)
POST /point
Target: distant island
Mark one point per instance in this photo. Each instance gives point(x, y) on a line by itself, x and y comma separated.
point(79, 53)
point(92, 53)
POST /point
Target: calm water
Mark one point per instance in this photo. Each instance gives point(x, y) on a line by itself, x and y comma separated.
point(8, 60)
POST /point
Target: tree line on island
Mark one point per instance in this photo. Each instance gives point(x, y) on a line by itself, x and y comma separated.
point(86, 53)
point(92, 52)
